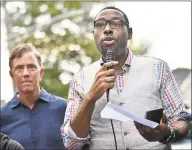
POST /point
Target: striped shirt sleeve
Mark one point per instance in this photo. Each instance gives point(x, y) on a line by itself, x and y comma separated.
point(170, 94)
point(75, 98)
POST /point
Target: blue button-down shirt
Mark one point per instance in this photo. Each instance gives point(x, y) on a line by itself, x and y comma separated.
point(38, 128)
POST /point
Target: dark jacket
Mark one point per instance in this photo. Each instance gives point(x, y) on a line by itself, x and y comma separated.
point(9, 144)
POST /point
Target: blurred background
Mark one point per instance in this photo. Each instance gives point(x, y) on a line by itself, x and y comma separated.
point(62, 33)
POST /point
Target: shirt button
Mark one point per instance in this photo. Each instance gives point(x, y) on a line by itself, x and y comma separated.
point(33, 112)
point(34, 129)
point(125, 133)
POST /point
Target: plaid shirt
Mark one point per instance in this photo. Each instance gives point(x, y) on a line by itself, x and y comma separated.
point(170, 95)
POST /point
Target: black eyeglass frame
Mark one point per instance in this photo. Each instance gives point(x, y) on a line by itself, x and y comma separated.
point(109, 21)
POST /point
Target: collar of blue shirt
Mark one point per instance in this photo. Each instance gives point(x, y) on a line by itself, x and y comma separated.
point(44, 95)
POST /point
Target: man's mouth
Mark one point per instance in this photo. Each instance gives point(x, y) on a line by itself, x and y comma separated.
point(111, 42)
point(108, 41)
point(26, 82)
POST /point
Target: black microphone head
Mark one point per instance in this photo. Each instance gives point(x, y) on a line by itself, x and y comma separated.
point(110, 55)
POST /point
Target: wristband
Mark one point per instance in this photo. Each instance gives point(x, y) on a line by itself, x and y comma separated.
point(170, 138)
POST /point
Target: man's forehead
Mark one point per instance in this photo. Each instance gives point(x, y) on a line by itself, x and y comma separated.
point(109, 13)
point(25, 57)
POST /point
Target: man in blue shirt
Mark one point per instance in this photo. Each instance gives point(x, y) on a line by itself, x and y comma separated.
point(33, 117)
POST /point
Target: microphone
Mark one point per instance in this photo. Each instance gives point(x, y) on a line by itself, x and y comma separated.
point(110, 56)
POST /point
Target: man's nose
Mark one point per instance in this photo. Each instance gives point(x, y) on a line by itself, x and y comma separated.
point(26, 72)
point(108, 29)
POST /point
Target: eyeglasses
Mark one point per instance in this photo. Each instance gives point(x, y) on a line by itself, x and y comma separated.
point(114, 24)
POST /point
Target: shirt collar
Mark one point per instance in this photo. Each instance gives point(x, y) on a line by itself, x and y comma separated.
point(44, 95)
point(127, 62)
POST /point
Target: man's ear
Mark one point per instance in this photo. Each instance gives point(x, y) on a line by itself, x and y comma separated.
point(11, 74)
point(130, 33)
point(41, 73)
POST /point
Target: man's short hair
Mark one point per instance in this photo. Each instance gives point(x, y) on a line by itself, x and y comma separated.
point(111, 7)
point(20, 49)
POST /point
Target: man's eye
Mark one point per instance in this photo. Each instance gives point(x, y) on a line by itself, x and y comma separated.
point(116, 23)
point(32, 67)
point(19, 68)
point(100, 24)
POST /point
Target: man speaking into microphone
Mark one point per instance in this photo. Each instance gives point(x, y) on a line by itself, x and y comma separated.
point(136, 83)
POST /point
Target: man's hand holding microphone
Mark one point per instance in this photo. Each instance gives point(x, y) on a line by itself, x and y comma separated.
point(104, 80)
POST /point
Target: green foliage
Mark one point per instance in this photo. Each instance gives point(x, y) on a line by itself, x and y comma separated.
point(72, 4)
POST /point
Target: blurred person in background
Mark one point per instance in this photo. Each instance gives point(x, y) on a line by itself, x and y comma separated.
point(136, 83)
point(33, 117)
point(9, 144)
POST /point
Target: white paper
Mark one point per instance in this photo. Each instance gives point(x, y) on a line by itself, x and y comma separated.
point(112, 111)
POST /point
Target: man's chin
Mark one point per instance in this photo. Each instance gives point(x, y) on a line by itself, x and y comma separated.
point(28, 90)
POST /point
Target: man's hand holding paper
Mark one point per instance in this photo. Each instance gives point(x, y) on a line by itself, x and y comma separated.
point(150, 130)
point(156, 134)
